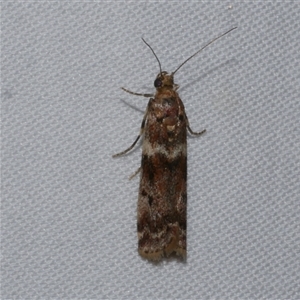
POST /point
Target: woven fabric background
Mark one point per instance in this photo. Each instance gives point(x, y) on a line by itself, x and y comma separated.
point(68, 214)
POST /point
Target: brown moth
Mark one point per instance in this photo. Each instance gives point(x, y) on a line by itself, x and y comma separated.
point(162, 201)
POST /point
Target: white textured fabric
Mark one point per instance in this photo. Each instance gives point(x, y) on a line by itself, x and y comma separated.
point(68, 215)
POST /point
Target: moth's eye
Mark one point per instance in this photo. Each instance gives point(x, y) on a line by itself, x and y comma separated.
point(157, 82)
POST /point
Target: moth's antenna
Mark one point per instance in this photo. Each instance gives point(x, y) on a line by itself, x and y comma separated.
point(154, 55)
point(200, 49)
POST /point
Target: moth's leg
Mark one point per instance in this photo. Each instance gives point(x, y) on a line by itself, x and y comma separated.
point(137, 94)
point(195, 133)
point(127, 150)
point(135, 173)
point(138, 137)
point(189, 128)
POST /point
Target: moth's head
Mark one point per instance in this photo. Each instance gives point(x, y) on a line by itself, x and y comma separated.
point(163, 79)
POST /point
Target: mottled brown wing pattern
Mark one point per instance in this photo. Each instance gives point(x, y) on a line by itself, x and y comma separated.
point(162, 195)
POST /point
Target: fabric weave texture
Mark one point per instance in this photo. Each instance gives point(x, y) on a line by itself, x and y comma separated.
point(68, 212)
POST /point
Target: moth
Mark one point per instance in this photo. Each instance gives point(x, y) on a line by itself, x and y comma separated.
point(162, 200)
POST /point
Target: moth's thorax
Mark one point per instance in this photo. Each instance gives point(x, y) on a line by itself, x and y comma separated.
point(165, 104)
point(165, 121)
point(166, 101)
